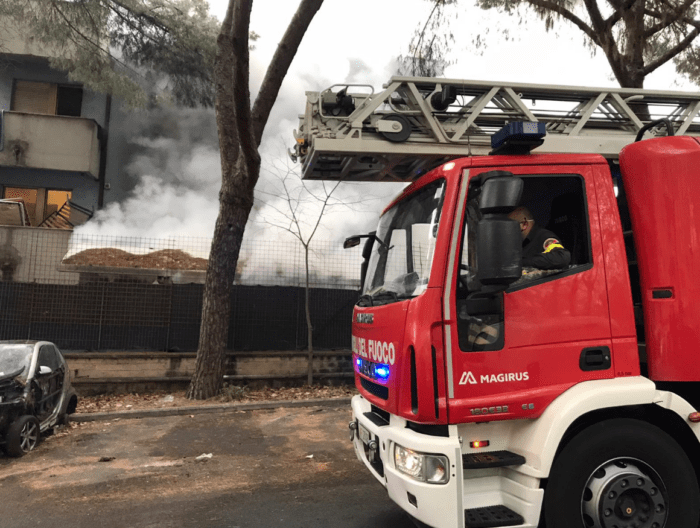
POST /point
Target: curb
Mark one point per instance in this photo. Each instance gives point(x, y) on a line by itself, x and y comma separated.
point(224, 407)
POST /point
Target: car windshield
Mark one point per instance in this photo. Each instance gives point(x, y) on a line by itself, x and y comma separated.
point(14, 358)
point(402, 253)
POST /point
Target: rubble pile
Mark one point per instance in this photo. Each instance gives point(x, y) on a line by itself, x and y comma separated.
point(164, 259)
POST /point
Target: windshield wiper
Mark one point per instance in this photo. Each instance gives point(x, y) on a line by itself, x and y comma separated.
point(384, 294)
point(369, 299)
point(355, 240)
point(382, 242)
point(366, 298)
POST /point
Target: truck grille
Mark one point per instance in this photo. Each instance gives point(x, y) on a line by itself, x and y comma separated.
point(380, 391)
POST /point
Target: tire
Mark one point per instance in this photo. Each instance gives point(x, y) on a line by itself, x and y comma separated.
point(624, 473)
point(23, 436)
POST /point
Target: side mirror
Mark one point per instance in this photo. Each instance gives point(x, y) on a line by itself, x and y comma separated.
point(499, 243)
point(499, 253)
point(500, 194)
point(43, 370)
point(352, 241)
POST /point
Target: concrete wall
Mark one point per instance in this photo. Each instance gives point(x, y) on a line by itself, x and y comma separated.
point(38, 251)
point(120, 365)
point(288, 364)
point(17, 40)
point(116, 372)
point(50, 142)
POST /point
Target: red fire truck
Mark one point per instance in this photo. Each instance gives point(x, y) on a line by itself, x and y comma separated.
point(496, 395)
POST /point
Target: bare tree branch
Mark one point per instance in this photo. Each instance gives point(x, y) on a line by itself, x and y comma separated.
point(565, 13)
point(678, 14)
point(619, 12)
point(674, 51)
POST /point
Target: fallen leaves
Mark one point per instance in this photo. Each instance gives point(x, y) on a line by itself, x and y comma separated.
point(162, 400)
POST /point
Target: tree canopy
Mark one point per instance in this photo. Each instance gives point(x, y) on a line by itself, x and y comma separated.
point(129, 48)
point(426, 57)
point(636, 36)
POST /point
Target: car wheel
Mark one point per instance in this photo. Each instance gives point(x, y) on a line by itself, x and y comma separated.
point(23, 435)
point(622, 473)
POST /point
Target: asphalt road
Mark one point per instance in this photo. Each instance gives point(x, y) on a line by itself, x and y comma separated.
point(284, 467)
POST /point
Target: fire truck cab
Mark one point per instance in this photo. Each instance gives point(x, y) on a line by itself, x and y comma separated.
point(496, 395)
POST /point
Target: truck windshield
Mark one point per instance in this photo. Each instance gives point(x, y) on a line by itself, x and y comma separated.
point(402, 254)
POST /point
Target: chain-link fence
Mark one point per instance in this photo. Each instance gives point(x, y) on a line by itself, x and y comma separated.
point(88, 292)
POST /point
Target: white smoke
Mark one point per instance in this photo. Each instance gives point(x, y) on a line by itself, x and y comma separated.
point(156, 209)
point(169, 171)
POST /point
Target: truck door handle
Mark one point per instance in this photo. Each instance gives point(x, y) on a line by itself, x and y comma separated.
point(595, 358)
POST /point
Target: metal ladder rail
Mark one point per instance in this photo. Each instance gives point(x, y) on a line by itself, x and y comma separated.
point(462, 128)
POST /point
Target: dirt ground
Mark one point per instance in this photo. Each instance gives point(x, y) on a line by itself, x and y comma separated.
point(291, 467)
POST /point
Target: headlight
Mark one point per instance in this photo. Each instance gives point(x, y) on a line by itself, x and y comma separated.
point(421, 466)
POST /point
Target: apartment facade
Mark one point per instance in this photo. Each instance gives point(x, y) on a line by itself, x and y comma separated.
point(54, 138)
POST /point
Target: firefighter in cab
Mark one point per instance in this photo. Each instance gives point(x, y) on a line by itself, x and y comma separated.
point(541, 248)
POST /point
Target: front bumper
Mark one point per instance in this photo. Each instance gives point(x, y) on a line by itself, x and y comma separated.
point(437, 505)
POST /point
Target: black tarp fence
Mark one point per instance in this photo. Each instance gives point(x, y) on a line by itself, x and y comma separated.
point(109, 316)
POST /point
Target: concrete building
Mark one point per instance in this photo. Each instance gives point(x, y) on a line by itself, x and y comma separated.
point(55, 145)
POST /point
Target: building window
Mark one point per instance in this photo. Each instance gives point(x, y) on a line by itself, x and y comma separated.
point(47, 98)
point(40, 203)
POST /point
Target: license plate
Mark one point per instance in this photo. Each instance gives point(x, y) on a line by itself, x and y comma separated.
point(364, 434)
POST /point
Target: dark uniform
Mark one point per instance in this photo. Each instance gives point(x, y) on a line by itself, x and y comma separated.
point(543, 250)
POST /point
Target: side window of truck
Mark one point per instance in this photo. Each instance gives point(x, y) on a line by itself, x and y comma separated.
point(557, 213)
point(559, 210)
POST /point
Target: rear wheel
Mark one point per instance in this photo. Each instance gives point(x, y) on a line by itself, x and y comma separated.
point(622, 474)
point(22, 436)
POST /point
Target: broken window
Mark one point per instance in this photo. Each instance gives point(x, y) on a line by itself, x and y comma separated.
point(39, 203)
point(47, 98)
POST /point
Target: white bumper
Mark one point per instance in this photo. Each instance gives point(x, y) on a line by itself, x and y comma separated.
point(516, 487)
point(437, 505)
point(443, 505)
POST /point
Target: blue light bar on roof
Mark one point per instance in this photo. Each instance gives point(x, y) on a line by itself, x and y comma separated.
point(524, 135)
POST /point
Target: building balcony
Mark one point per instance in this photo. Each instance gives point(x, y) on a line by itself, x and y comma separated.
point(52, 142)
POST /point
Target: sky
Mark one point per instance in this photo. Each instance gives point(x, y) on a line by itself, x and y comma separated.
point(177, 175)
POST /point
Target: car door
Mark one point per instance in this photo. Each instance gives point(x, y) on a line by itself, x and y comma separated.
point(50, 382)
point(549, 330)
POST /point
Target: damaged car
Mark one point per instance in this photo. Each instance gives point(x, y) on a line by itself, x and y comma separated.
point(35, 393)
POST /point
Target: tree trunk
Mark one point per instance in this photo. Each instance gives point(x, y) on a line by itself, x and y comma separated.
point(240, 133)
point(210, 365)
point(309, 328)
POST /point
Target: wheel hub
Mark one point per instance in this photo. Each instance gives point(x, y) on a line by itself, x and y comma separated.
point(28, 437)
point(624, 493)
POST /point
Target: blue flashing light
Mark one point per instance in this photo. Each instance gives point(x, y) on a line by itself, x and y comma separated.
point(523, 133)
point(381, 372)
point(376, 371)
